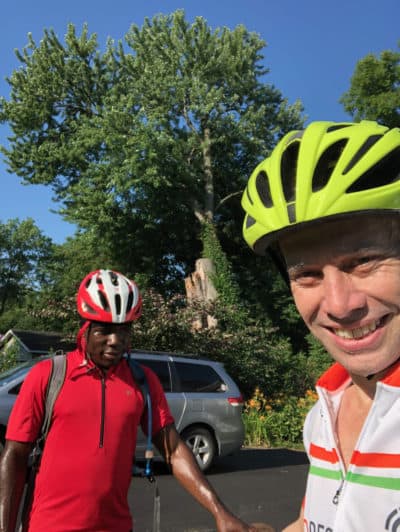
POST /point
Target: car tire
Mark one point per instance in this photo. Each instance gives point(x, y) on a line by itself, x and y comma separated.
point(202, 444)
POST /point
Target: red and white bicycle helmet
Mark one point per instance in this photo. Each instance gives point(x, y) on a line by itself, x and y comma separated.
point(109, 296)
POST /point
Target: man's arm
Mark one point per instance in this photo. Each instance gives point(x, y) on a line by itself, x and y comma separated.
point(186, 470)
point(13, 471)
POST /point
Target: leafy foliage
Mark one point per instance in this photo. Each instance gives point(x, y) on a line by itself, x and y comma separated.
point(8, 358)
point(318, 360)
point(223, 280)
point(24, 253)
point(139, 143)
point(374, 93)
point(252, 352)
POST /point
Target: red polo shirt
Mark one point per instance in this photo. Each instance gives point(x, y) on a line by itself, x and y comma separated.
point(86, 466)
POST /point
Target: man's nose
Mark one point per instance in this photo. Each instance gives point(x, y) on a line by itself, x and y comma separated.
point(343, 300)
point(113, 338)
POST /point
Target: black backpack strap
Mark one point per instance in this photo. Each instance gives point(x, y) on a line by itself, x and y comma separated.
point(56, 380)
point(140, 377)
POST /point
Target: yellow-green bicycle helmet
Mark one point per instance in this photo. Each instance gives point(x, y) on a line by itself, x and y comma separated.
point(327, 170)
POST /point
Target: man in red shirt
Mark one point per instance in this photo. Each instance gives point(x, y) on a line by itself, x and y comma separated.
point(85, 471)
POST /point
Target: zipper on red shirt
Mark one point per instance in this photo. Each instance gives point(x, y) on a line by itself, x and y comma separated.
point(103, 410)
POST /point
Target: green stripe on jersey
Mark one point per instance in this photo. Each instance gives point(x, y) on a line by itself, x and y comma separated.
point(326, 473)
point(377, 482)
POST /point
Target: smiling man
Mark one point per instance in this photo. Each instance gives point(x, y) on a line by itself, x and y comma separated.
point(85, 471)
point(326, 205)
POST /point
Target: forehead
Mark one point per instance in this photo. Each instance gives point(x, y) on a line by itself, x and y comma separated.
point(337, 238)
point(109, 328)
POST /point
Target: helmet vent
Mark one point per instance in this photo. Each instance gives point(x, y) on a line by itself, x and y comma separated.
point(87, 308)
point(262, 186)
point(288, 170)
point(248, 196)
point(103, 300)
point(385, 172)
point(291, 212)
point(326, 165)
point(118, 303)
point(364, 148)
point(129, 302)
point(296, 135)
point(337, 126)
point(113, 278)
point(249, 221)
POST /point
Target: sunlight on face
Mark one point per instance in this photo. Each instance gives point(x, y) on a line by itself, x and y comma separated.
point(345, 279)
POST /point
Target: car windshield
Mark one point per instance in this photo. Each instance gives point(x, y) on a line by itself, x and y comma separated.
point(17, 371)
point(13, 373)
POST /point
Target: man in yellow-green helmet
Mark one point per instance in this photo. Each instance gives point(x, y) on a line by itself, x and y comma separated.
point(326, 205)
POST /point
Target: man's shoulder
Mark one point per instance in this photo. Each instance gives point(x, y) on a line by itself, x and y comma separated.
point(40, 369)
point(43, 367)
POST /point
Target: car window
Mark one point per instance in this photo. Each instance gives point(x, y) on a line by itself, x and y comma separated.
point(8, 376)
point(161, 369)
point(199, 378)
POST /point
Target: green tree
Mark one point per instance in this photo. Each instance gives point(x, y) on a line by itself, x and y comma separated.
point(142, 144)
point(24, 255)
point(374, 92)
point(253, 352)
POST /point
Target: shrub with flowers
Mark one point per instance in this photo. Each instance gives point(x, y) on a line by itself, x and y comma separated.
point(278, 421)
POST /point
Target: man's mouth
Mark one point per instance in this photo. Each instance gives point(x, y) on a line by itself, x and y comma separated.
point(112, 354)
point(359, 332)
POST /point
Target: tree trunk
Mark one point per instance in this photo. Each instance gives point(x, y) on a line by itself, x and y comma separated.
point(200, 287)
point(209, 178)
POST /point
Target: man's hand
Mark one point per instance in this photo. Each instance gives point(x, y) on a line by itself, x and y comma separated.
point(262, 527)
point(230, 523)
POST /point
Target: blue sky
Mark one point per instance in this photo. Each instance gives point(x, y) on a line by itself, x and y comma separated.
point(312, 49)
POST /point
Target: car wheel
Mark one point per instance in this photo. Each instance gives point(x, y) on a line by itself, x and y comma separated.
point(202, 444)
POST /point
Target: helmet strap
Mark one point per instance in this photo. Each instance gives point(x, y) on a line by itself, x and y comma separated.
point(81, 339)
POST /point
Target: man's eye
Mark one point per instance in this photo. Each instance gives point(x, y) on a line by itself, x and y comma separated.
point(304, 276)
point(366, 260)
point(100, 331)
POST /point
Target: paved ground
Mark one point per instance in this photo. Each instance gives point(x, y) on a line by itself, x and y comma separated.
point(259, 485)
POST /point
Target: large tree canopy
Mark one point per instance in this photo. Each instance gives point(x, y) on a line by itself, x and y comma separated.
point(142, 143)
point(374, 92)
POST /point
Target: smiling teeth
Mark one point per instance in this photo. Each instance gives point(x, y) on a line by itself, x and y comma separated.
point(359, 332)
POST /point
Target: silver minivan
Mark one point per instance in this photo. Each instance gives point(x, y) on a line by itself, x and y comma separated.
point(204, 400)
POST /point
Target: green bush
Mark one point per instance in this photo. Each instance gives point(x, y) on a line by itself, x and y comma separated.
point(8, 358)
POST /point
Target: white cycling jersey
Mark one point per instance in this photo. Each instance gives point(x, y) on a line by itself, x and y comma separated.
point(366, 498)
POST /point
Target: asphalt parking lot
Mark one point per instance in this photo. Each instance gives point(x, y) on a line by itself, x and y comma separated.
point(259, 485)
